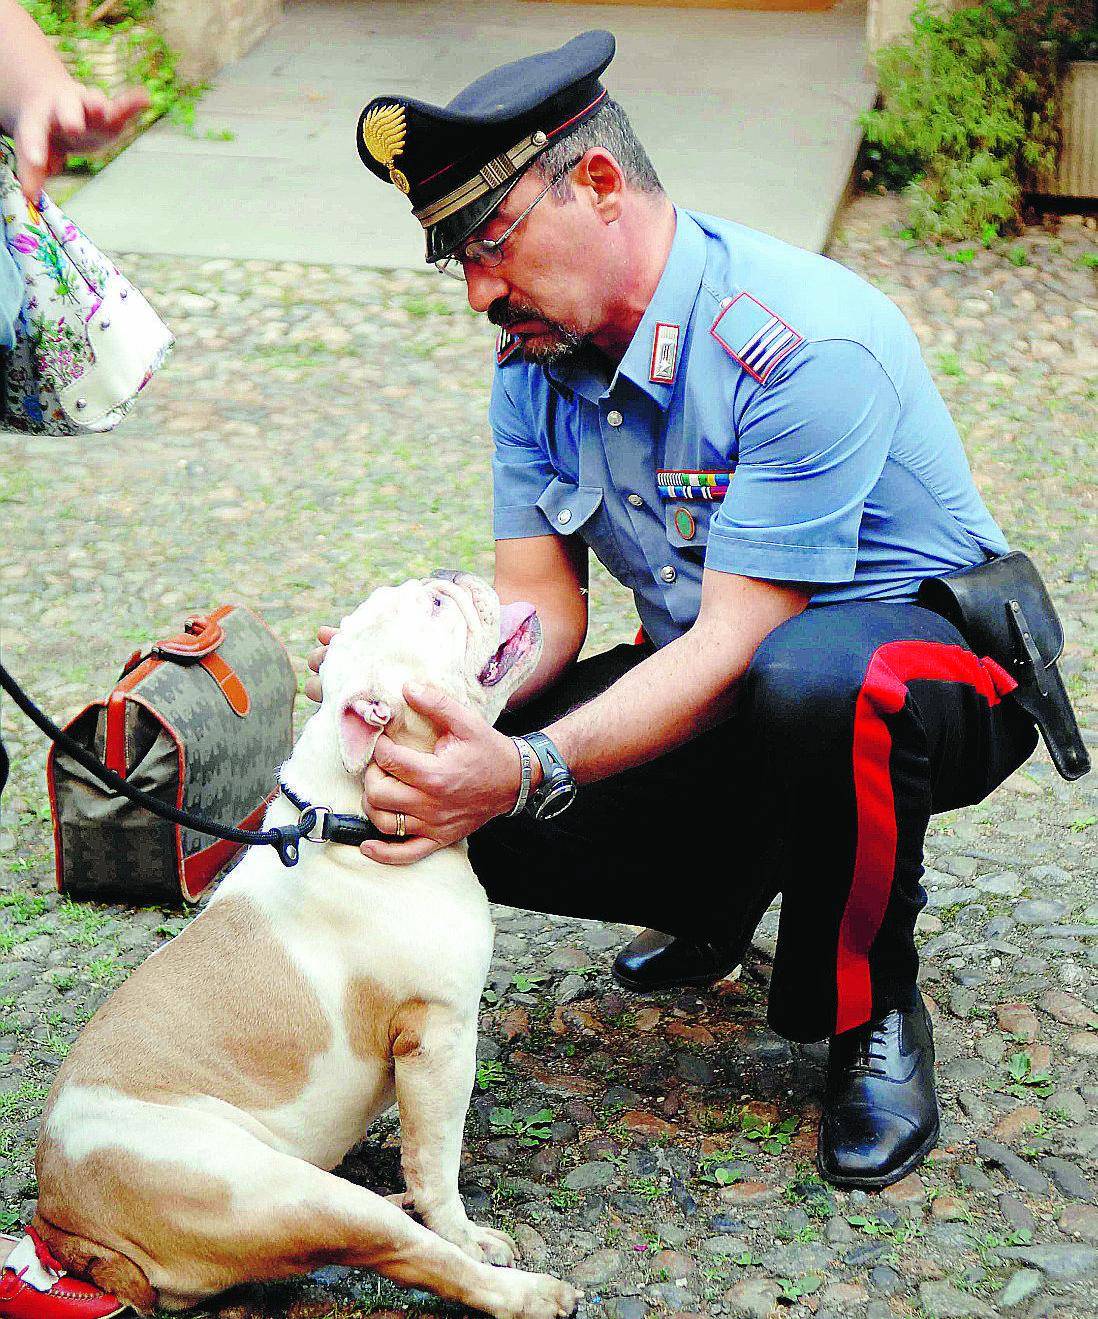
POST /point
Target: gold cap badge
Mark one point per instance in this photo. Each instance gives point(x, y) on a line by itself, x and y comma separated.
point(383, 132)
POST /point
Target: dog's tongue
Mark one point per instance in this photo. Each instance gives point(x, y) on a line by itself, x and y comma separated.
point(511, 618)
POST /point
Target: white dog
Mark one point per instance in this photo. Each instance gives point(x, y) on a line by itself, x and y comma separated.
point(185, 1141)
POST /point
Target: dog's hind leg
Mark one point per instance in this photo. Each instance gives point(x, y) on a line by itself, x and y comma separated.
point(434, 1053)
point(292, 1217)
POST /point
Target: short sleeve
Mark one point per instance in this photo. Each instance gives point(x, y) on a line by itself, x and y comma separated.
point(520, 466)
point(812, 445)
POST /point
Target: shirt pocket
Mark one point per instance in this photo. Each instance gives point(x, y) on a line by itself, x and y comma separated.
point(687, 526)
point(570, 507)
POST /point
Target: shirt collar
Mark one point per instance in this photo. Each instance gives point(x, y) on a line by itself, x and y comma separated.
point(672, 305)
point(667, 315)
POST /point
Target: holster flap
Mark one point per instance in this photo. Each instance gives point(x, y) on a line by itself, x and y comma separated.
point(976, 601)
point(1003, 610)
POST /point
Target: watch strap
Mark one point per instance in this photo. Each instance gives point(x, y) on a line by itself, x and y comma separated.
point(526, 761)
point(550, 759)
point(557, 784)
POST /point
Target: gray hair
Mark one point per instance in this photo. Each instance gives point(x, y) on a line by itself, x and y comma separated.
point(610, 129)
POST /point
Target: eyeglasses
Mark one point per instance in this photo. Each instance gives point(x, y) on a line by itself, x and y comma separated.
point(489, 251)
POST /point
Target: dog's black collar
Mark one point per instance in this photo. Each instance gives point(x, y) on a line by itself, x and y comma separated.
point(318, 824)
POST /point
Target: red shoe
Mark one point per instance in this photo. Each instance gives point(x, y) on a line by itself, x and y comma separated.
point(67, 1298)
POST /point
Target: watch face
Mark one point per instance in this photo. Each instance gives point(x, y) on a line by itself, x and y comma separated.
point(558, 798)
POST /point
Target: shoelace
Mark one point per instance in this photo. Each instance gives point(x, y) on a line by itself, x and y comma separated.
point(865, 1055)
point(45, 1255)
point(10, 1284)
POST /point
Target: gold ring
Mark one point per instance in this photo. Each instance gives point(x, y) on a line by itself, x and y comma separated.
point(402, 827)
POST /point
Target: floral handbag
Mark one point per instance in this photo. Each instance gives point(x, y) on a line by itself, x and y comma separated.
point(87, 342)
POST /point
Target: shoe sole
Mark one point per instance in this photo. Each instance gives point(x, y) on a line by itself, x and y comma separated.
point(878, 1183)
point(686, 982)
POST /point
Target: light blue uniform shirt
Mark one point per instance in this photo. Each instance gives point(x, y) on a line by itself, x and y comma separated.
point(11, 296)
point(776, 365)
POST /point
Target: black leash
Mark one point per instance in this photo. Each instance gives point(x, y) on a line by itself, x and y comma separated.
point(316, 824)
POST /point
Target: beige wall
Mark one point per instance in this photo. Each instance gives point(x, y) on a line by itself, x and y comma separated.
point(207, 34)
point(887, 19)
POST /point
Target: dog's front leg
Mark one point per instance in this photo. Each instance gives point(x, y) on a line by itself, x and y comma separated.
point(434, 1053)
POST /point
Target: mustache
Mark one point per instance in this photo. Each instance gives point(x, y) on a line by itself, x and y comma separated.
point(501, 313)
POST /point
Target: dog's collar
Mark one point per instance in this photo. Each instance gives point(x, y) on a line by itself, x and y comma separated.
point(320, 824)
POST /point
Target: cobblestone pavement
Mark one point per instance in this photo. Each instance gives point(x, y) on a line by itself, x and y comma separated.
point(657, 1151)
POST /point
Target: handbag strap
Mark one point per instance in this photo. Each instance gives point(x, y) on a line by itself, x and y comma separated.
point(197, 644)
point(284, 838)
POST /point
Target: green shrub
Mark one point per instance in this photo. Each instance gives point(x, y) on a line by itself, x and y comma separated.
point(968, 117)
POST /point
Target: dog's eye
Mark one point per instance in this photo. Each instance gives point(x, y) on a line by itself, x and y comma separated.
point(436, 603)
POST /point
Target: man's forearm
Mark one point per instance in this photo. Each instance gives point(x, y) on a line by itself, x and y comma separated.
point(664, 701)
point(558, 652)
point(27, 60)
point(681, 690)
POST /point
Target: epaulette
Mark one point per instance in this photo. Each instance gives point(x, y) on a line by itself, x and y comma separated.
point(506, 346)
point(753, 335)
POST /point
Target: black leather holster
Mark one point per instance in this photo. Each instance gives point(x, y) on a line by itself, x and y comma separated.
point(1003, 610)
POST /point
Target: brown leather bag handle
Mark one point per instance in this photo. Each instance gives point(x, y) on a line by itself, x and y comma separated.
point(200, 637)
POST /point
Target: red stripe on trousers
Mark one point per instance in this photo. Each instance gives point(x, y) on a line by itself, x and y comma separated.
point(883, 692)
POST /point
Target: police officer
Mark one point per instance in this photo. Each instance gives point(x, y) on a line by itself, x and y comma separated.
point(747, 437)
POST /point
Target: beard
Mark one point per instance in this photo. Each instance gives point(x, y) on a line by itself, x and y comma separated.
point(557, 343)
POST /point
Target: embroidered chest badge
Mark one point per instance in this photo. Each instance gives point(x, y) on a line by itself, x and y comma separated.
point(665, 354)
point(753, 336)
point(685, 524)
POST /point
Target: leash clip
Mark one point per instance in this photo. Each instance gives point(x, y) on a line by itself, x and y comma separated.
point(286, 840)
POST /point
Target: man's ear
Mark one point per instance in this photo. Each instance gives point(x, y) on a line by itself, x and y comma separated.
point(599, 171)
point(360, 725)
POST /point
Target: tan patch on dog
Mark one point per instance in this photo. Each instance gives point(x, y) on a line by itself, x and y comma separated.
point(377, 1025)
point(107, 1268)
point(406, 1030)
point(117, 1194)
point(173, 1028)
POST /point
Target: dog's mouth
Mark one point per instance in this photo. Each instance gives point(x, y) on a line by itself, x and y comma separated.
point(519, 634)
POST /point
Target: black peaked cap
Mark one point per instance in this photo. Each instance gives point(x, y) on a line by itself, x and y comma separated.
point(456, 163)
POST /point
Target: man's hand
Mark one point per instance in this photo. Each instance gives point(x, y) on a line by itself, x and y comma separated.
point(471, 777)
point(315, 659)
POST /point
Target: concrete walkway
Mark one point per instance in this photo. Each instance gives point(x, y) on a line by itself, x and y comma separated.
point(747, 115)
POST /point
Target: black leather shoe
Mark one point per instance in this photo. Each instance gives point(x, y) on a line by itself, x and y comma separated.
point(880, 1116)
point(660, 961)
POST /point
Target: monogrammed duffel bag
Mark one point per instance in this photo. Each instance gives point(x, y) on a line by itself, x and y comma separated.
point(201, 721)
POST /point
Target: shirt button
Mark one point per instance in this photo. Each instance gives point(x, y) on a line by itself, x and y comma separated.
point(635, 500)
point(668, 573)
point(565, 515)
point(614, 418)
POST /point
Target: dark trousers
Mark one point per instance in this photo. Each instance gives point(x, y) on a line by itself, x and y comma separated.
point(855, 723)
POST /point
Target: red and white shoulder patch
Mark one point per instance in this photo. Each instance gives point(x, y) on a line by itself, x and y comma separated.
point(506, 346)
point(752, 335)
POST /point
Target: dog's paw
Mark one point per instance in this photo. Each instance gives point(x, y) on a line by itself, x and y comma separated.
point(488, 1245)
point(548, 1298)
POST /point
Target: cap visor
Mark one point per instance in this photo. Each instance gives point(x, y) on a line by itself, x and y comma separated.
point(445, 237)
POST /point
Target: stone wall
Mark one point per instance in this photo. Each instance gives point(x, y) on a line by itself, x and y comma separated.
point(207, 34)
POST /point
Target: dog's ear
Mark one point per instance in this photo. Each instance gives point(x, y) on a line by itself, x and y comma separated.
point(360, 725)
